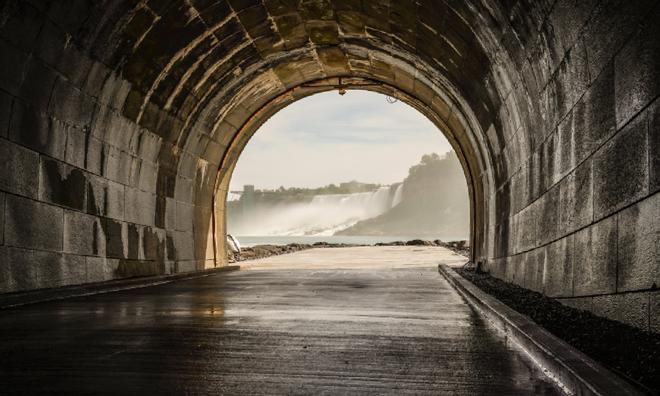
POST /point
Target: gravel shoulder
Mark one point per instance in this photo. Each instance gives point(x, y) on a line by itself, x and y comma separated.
point(631, 352)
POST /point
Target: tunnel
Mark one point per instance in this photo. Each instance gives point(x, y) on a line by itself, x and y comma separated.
point(121, 122)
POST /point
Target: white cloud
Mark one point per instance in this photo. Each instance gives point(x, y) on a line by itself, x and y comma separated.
point(329, 138)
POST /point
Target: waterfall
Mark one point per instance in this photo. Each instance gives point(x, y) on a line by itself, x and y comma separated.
point(398, 194)
point(323, 215)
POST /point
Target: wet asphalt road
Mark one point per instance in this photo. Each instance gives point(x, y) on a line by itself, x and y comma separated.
point(326, 321)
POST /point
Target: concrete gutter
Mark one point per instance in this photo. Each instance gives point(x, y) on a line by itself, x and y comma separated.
point(23, 298)
point(573, 371)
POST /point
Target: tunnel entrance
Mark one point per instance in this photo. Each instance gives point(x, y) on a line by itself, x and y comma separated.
point(354, 168)
point(342, 86)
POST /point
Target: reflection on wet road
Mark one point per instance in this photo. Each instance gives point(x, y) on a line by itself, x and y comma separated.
point(356, 320)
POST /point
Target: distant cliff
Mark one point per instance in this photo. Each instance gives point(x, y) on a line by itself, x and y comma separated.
point(434, 202)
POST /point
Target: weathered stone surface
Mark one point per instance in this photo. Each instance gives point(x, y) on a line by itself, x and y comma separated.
point(83, 234)
point(629, 308)
point(62, 184)
point(558, 264)
point(140, 206)
point(620, 178)
point(101, 269)
point(636, 67)
point(654, 143)
point(19, 169)
point(654, 314)
point(639, 245)
point(116, 238)
point(595, 264)
point(2, 219)
point(576, 199)
point(32, 224)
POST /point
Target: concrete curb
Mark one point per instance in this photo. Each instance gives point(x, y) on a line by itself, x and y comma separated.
point(31, 297)
point(573, 371)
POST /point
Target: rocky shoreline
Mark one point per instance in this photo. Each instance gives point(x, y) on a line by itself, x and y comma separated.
point(263, 251)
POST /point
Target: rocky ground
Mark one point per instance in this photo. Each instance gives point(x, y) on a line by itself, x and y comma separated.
point(624, 349)
point(262, 251)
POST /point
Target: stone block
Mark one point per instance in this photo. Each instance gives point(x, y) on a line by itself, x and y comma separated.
point(170, 213)
point(183, 245)
point(184, 216)
point(57, 269)
point(639, 245)
point(2, 218)
point(62, 184)
point(33, 224)
point(154, 244)
point(654, 318)
point(69, 103)
point(23, 270)
point(83, 234)
point(576, 199)
point(38, 84)
point(37, 131)
point(11, 67)
point(134, 268)
point(19, 169)
point(534, 267)
point(629, 308)
point(654, 143)
point(101, 269)
point(621, 169)
point(636, 68)
point(184, 190)
point(5, 113)
point(134, 241)
point(558, 268)
point(76, 147)
point(595, 264)
point(116, 238)
point(6, 280)
point(139, 206)
point(548, 216)
point(105, 198)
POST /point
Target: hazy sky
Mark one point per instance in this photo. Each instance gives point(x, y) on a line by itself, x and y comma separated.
point(327, 138)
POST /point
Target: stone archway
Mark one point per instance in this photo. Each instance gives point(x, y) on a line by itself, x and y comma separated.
point(119, 119)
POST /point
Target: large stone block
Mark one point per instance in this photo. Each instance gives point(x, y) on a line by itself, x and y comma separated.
point(23, 271)
point(2, 218)
point(101, 269)
point(655, 311)
point(549, 217)
point(57, 269)
point(6, 280)
point(5, 113)
point(105, 198)
point(621, 169)
point(33, 224)
point(636, 68)
point(19, 169)
point(628, 308)
point(83, 234)
point(37, 131)
point(654, 143)
point(11, 67)
point(595, 264)
point(576, 199)
point(639, 245)
point(558, 268)
point(116, 234)
point(62, 184)
point(184, 216)
point(534, 268)
point(140, 206)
